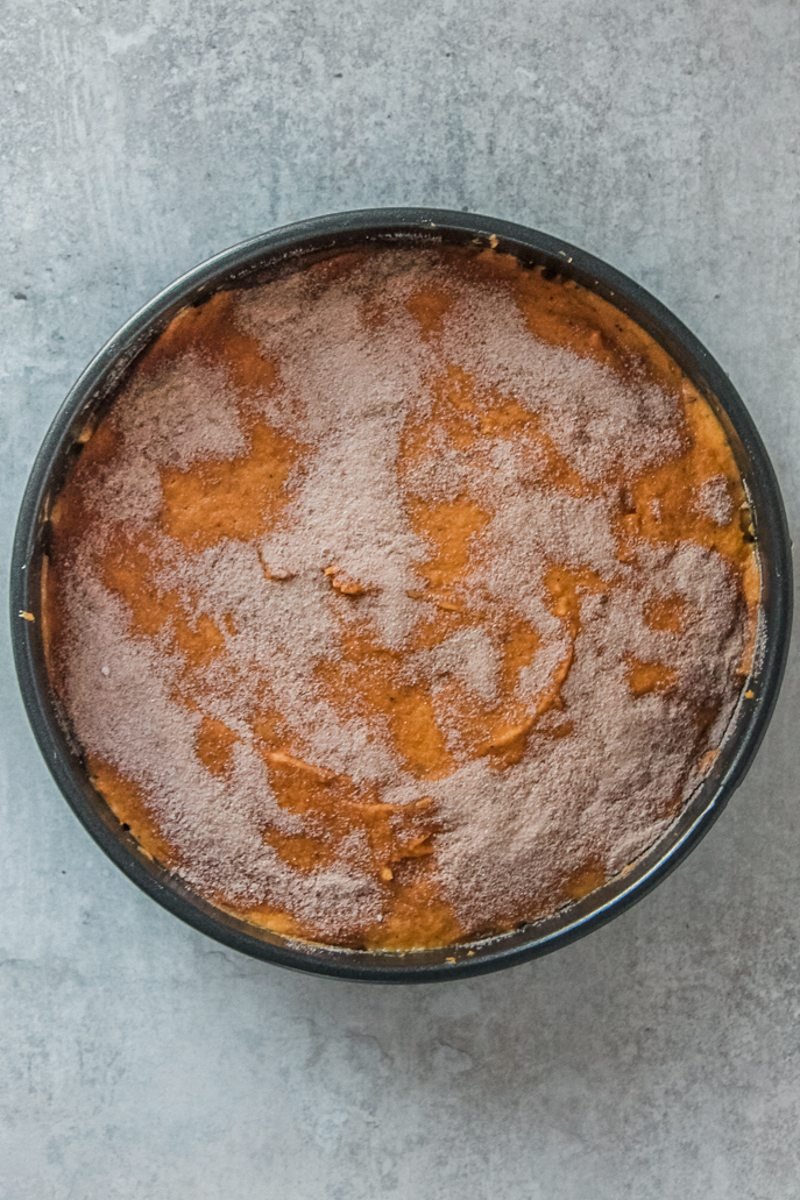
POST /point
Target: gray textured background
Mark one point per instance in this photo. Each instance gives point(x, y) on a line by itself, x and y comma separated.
point(657, 1059)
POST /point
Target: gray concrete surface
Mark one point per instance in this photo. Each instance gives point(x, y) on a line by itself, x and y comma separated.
point(657, 1059)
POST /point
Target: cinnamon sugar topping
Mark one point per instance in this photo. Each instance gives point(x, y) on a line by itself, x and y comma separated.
point(370, 607)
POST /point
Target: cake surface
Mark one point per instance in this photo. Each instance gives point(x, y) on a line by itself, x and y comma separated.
point(401, 599)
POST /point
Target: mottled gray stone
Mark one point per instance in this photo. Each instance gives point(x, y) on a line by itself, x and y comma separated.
point(657, 1059)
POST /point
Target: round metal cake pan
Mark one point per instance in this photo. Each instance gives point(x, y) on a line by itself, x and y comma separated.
point(258, 258)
